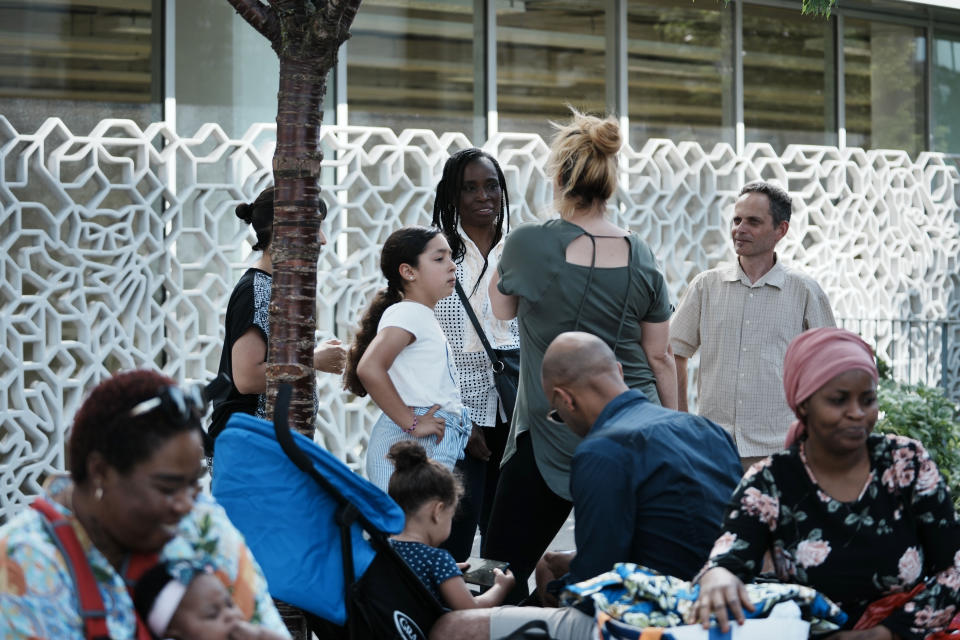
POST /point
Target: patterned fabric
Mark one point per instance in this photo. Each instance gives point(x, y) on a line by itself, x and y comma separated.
point(642, 597)
point(901, 530)
point(742, 330)
point(476, 377)
point(433, 566)
point(38, 597)
point(262, 282)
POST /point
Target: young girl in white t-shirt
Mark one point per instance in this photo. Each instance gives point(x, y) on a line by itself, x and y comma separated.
point(401, 358)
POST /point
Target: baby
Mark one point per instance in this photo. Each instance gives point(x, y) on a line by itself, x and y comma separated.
point(199, 610)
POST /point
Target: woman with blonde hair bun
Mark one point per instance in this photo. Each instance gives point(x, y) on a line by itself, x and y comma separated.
point(577, 272)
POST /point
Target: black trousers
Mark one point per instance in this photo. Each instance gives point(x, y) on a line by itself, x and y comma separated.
point(480, 484)
point(526, 517)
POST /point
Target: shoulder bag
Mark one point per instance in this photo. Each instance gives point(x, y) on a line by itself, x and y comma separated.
point(505, 362)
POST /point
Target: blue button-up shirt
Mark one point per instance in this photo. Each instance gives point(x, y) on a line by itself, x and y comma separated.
point(650, 486)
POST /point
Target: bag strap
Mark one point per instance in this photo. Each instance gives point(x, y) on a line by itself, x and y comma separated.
point(494, 360)
point(135, 566)
point(92, 611)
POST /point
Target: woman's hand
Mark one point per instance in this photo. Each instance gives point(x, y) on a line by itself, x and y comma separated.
point(477, 444)
point(428, 425)
point(720, 590)
point(330, 357)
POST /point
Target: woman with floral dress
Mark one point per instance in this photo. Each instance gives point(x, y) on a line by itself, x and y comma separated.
point(864, 518)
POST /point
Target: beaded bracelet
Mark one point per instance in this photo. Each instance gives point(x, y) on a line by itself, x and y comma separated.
point(414, 425)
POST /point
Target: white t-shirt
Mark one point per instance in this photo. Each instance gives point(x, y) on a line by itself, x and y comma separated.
point(424, 373)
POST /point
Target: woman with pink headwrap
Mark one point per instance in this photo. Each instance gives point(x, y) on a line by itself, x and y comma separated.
point(866, 519)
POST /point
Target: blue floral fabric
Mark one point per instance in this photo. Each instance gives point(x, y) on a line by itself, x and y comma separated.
point(642, 597)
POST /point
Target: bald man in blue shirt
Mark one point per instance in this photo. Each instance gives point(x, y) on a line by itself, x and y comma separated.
point(649, 486)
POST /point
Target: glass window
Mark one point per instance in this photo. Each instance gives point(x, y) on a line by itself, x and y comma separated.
point(98, 59)
point(410, 65)
point(946, 93)
point(225, 70)
point(884, 78)
point(549, 53)
point(787, 78)
point(675, 71)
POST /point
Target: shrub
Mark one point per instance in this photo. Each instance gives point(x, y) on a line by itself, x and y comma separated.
point(925, 414)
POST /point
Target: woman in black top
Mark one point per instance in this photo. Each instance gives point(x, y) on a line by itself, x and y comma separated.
point(244, 355)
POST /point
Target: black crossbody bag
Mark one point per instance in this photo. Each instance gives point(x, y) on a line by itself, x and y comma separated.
point(505, 362)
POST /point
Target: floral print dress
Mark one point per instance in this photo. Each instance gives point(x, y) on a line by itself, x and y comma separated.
point(901, 530)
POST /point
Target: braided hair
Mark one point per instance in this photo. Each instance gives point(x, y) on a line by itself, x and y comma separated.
point(445, 212)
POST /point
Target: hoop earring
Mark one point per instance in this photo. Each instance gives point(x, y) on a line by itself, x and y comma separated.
point(98, 494)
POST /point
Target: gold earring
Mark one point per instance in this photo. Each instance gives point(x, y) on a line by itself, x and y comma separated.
point(98, 494)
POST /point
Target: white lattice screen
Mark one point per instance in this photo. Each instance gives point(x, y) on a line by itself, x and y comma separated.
point(120, 248)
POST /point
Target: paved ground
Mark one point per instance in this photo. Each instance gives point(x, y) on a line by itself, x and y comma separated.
point(563, 541)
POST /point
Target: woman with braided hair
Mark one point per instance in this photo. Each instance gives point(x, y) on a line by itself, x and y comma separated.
point(473, 211)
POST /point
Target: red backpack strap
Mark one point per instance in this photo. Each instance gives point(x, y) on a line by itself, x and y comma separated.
point(91, 609)
point(135, 566)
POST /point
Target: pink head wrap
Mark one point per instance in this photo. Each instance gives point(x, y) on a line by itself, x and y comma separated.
point(813, 358)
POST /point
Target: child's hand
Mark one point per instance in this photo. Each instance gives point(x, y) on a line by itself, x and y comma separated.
point(330, 357)
point(504, 580)
point(429, 425)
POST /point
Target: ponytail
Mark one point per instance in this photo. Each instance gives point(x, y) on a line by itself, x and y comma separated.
point(365, 335)
point(259, 214)
point(403, 246)
point(418, 479)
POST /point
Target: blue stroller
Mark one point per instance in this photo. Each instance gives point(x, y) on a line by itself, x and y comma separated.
point(319, 532)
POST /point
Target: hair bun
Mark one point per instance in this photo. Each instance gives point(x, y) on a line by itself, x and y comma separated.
point(244, 211)
point(407, 454)
point(605, 135)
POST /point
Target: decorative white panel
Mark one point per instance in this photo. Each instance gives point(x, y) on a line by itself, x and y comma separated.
point(120, 249)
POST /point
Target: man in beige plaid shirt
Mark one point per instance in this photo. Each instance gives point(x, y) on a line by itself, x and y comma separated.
point(741, 317)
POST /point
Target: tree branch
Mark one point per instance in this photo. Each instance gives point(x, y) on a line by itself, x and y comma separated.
point(260, 17)
point(338, 16)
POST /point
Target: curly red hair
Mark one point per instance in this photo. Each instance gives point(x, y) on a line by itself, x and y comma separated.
point(102, 423)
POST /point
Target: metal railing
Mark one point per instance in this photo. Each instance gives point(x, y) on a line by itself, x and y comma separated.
point(917, 351)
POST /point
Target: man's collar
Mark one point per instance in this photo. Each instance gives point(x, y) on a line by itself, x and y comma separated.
point(627, 397)
point(775, 277)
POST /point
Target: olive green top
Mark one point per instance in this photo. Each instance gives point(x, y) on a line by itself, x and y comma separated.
point(557, 296)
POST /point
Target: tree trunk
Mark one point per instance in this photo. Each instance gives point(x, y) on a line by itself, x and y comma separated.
point(306, 36)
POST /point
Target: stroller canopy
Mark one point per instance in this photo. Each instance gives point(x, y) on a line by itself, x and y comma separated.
point(287, 518)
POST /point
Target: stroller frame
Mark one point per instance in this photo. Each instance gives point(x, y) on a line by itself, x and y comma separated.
point(367, 615)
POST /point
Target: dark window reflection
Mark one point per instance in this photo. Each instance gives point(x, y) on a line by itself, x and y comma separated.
point(678, 71)
point(787, 78)
point(884, 70)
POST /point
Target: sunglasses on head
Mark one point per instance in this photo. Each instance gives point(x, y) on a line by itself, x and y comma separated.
point(178, 403)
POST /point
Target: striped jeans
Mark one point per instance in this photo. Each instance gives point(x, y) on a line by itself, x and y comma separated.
point(386, 432)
